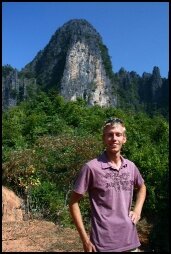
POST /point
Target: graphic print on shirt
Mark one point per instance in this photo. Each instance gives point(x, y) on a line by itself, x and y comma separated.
point(119, 181)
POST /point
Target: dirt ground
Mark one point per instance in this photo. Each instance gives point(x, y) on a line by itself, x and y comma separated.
point(44, 236)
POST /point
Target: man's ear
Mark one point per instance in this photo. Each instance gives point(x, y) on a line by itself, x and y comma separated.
point(124, 139)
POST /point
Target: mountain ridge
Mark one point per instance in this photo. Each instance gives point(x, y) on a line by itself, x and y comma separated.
point(76, 63)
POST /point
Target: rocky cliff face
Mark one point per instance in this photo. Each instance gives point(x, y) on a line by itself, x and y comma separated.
point(10, 87)
point(15, 89)
point(73, 63)
point(84, 76)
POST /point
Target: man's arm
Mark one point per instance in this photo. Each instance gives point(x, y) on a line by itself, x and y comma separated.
point(78, 221)
point(135, 215)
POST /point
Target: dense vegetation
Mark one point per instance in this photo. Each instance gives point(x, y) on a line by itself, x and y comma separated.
point(46, 141)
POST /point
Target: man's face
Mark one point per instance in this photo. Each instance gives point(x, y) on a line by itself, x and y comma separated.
point(114, 137)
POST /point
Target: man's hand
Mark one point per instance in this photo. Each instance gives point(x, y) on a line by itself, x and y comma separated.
point(135, 217)
point(89, 247)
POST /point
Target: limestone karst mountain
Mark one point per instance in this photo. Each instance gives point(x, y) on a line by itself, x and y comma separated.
point(75, 62)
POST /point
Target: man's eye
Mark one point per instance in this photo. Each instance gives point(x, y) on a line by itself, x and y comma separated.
point(109, 135)
point(118, 134)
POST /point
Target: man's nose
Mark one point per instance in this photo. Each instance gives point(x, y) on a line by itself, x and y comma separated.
point(113, 137)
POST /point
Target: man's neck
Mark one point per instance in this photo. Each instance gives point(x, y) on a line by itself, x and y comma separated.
point(114, 159)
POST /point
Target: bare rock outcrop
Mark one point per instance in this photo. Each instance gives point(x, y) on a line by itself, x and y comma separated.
point(11, 206)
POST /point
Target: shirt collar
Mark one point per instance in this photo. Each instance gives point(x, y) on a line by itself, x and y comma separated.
point(104, 161)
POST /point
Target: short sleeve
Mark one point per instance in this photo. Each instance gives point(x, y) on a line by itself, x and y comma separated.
point(138, 179)
point(83, 180)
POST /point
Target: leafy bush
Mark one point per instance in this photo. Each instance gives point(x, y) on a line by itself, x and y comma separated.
point(61, 157)
point(19, 172)
point(12, 125)
point(45, 199)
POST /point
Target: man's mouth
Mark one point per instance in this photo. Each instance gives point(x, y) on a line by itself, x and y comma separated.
point(114, 145)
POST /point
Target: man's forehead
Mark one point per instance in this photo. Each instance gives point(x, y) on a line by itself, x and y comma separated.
point(115, 127)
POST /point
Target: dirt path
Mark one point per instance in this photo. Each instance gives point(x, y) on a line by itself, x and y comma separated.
point(38, 236)
point(44, 236)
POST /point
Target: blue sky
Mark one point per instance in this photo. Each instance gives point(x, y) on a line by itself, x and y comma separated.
point(135, 33)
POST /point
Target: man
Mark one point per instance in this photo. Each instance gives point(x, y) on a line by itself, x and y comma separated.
point(110, 181)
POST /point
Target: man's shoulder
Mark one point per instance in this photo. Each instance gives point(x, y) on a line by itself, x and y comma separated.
point(92, 163)
point(97, 162)
point(128, 162)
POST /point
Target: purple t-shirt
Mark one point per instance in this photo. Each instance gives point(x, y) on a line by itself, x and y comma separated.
point(110, 192)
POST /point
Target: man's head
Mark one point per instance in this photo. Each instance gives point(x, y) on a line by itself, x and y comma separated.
point(114, 135)
point(113, 122)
